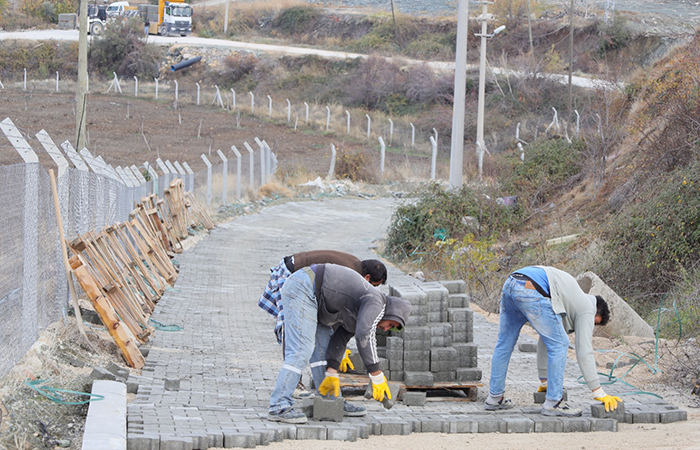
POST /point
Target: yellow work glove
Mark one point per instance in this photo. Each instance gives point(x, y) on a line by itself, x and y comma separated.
point(542, 387)
point(345, 363)
point(610, 401)
point(330, 385)
point(380, 388)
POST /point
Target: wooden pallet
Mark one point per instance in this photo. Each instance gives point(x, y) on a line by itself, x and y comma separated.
point(463, 391)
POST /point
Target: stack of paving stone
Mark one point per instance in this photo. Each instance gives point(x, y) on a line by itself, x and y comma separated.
point(436, 345)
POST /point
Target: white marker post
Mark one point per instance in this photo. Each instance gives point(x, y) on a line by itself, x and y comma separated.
point(208, 164)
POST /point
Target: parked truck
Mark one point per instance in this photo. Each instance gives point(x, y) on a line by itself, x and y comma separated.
point(168, 17)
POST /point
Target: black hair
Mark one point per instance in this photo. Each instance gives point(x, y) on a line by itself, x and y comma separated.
point(602, 310)
point(375, 269)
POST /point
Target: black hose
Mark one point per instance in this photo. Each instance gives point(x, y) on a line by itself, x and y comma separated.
point(185, 63)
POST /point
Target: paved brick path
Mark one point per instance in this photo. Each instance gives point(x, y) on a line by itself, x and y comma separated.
point(209, 384)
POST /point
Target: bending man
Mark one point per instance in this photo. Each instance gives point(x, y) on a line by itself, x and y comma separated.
point(554, 304)
point(325, 305)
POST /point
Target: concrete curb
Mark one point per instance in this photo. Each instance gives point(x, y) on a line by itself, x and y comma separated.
point(105, 425)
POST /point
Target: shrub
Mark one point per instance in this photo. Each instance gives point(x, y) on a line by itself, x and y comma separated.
point(353, 166)
point(613, 36)
point(438, 214)
point(297, 19)
point(121, 49)
point(548, 165)
point(657, 240)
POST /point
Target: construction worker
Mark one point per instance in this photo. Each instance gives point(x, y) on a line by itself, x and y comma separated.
point(325, 305)
point(555, 305)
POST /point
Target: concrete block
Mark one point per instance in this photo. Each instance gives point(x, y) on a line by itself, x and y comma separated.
point(143, 441)
point(462, 424)
point(328, 408)
point(114, 367)
point(393, 427)
point(435, 291)
point(416, 333)
point(416, 345)
point(264, 437)
point(598, 411)
point(394, 343)
point(318, 432)
point(216, 438)
point(454, 286)
point(362, 430)
point(357, 361)
point(576, 425)
point(175, 443)
point(410, 365)
point(458, 301)
point(383, 364)
point(441, 341)
point(488, 424)
point(467, 354)
point(433, 425)
point(603, 424)
point(418, 378)
point(646, 417)
point(544, 424)
point(440, 329)
point(416, 320)
point(527, 347)
point(306, 405)
point(540, 397)
point(387, 402)
point(468, 374)
point(434, 317)
point(461, 337)
point(411, 292)
point(414, 398)
point(238, 439)
point(670, 416)
point(396, 364)
point(519, 425)
point(443, 376)
point(172, 384)
point(200, 440)
point(100, 373)
point(394, 375)
point(342, 434)
point(442, 359)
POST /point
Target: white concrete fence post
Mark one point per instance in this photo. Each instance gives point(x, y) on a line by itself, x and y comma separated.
point(391, 132)
point(263, 157)
point(382, 154)
point(24, 88)
point(198, 90)
point(239, 163)
point(136, 86)
point(57, 81)
point(224, 172)
point(154, 177)
point(183, 174)
point(252, 102)
point(289, 111)
point(269, 102)
point(176, 89)
point(413, 135)
point(252, 164)
point(190, 175)
point(306, 105)
point(208, 164)
point(347, 113)
point(369, 125)
point(331, 169)
point(433, 159)
point(328, 117)
point(233, 99)
point(156, 80)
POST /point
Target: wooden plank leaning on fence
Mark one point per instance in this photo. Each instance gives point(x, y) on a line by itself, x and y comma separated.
point(124, 339)
point(151, 247)
point(176, 208)
point(198, 211)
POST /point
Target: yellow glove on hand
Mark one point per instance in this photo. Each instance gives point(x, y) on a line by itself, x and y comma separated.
point(380, 388)
point(345, 363)
point(330, 385)
point(610, 402)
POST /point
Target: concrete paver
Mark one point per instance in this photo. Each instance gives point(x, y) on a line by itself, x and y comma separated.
point(209, 384)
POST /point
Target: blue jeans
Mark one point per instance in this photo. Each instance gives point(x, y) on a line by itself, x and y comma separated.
point(520, 305)
point(305, 340)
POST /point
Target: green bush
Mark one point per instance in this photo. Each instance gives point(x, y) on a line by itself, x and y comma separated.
point(651, 245)
point(122, 49)
point(548, 165)
point(438, 214)
point(297, 19)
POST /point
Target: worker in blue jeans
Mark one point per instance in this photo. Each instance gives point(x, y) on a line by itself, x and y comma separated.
point(552, 301)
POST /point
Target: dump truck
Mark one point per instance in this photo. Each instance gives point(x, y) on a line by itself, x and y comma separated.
point(168, 17)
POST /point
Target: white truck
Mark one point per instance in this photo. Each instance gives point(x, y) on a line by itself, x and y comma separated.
point(168, 17)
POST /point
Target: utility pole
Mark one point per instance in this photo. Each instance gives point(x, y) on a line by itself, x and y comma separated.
point(571, 58)
point(226, 18)
point(393, 16)
point(457, 147)
point(81, 88)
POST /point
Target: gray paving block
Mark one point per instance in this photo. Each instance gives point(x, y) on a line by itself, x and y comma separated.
point(575, 425)
point(394, 343)
point(264, 437)
point(416, 345)
point(458, 301)
point(357, 362)
point(468, 374)
point(443, 376)
point(342, 434)
point(540, 397)
point(414, 398)
point(306, 405)
point(462, 424)
point(454, 286)
point(646, 417)
point(489, 424)
point(200, 440)
point(416, 333)
point(392, 427)
point(172, 384)
point(318, 432)
point(527, 347)
point(467, 354)
point(412, 365)
point(416, 320)
point(433, 425)
point(418, 378)
point(598, 411)
point(670, 416)
point(443, 359)
point(150, 441)
point(519, 425)
point(544, 424)
point(603, 424)
point(441, 341)
point(412, 293)
point(175, 443)
point(100, 373)
point(238, 439)
point(328, 408)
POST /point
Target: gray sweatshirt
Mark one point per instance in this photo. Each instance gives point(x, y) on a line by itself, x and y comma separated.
point(353, 307)
point(578, 311)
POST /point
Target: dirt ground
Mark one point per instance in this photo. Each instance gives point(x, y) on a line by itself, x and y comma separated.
point(125, 130)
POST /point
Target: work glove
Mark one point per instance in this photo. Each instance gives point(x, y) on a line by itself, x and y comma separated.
point(380, 388)
point(330, 385)
point(610, 401)
point(345, 363)
point(542, 387)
